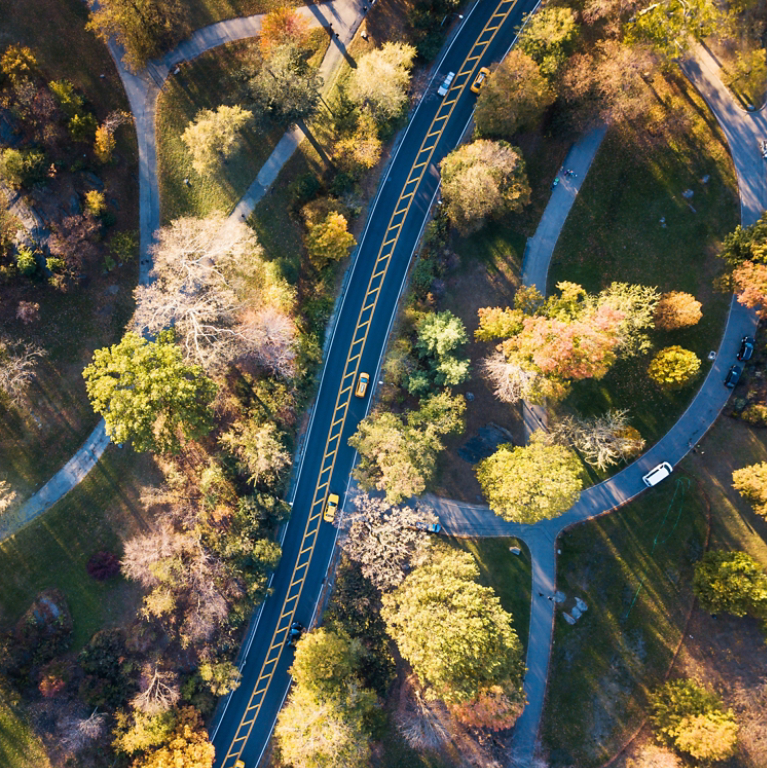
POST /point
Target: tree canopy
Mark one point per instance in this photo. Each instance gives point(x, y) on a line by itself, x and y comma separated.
point(674, 367)
point(147, 394)
point(548, 37)
point(481, 180)
point(454, 632)
point(731, 582)
point(214, 135)
point(530, 483)
point(751, 484)
point(440, 338)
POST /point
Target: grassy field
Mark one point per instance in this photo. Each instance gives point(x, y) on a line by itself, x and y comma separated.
point(203, 12)
point(19, 746)
point(614, 232)
point(200, 85)
point(53, 551)
point(633, 568)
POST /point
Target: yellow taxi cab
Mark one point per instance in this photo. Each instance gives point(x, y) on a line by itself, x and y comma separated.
point(331, 507)
point(239, 764)
point(362, 385)
point(479, 80)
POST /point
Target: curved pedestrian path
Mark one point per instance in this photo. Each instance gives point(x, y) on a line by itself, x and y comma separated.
point(744, 132)
point(142, 89)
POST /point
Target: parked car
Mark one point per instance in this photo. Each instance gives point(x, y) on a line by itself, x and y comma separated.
point(746, 349)
point(331, 507)
point(428, 527)
point(479, 80)
point(733, 375)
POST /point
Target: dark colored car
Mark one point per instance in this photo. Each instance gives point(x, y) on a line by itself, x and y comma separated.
point(746, 348)
point(294, 633)
point(733, 375)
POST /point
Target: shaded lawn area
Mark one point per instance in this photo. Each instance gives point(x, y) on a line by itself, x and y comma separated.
point(204, 12)
point(509, 575)
point(19, 746)
point(204, 84)
point(614, 234)
point(633, 568)
point(52, 552)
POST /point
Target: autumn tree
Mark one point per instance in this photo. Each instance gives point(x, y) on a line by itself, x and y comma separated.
point(329, 239)
point(548, 37)
point(674, 367)
point(602, 441)
point(670, 25)
point(750, 282)
point(381, 80)
point(481, 180)
point(751, 483)
point(398, 454)
point(282, 26)
point(18, 63)
point(18, 364)
point(731, 582)
point(530, 483)
point(514, 97)
point(187, 747)
point(286, 88)
point(440, 338)
point(325, 661)
point(693, 720)
point(454, 632)
point(214, 136)
point(636, 304)
point(142, 27)
point(223, 300)
point(383, 539)
point(360, 150)
point(135, 731)
point(104, 143)
point(677, 309)
point(147, 394)
point(221, 677)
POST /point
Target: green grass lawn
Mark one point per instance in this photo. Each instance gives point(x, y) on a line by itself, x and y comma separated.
point(19, 746)
point(53, 551)
point(614, 234)
point(633, 568)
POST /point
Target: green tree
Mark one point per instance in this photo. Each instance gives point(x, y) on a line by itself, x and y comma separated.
point(669, 25)
point(381, 80)
point(221, 677)
point(286, 88)
point(329, 239)
point(549, 37)
point(637, 304)
point(22, 167)
point(731, 582)
point(325, 661)
point(326, 732)
point(147, 393)
point(452, 631)
point(530, 483)
point(751, 483)
point(139, 732)
point(398, 455)
point(481, 180)
point(214, 135)
point(692, 719)
point(674, 367)
point(514, 97)
point(441, 337)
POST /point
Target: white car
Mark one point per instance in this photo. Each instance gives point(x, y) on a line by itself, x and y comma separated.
point(445, 87)
point(654, 476)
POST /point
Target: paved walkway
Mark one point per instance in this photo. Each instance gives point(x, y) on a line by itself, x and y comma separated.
point(142, 90)
point(743, 132)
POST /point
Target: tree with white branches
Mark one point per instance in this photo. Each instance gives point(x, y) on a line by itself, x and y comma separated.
point(602, 440)
point(383, 539)
point(511, 381)
point(212, 285)
point(159, 690)
point(17, 367)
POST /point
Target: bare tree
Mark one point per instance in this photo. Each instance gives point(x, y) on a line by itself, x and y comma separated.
point(142, 553)
point(602, 440)
point(28, 312)
point(17, 367)
point(271, 335)
point(7, 496)
point(384, 539)
point(208, 274)
point(511, 382)
point(423, 724)
point(75, 733)
point(159, 690)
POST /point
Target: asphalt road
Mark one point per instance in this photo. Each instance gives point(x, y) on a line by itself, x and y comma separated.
point(394, 224)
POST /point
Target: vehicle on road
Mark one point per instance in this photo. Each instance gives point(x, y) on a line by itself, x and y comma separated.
point(428, 527)
point(733, 376)
point(479, 80)
point(239, 764)
point(331, 507)
point(362, 385)
point(763, 148)
point(655, 475)
point(294, 633)
point(746, 349)
point(445, 87)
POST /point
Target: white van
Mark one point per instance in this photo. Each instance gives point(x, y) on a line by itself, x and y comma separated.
point(654, 476)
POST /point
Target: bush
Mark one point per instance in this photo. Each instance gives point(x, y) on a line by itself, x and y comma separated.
point(82, 127)
point(103, 566)
point(755, 414)
point(22, 167)
point(674, 367)
point(26, 262)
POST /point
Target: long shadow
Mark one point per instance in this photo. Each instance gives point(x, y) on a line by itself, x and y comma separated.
point(316, 144)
